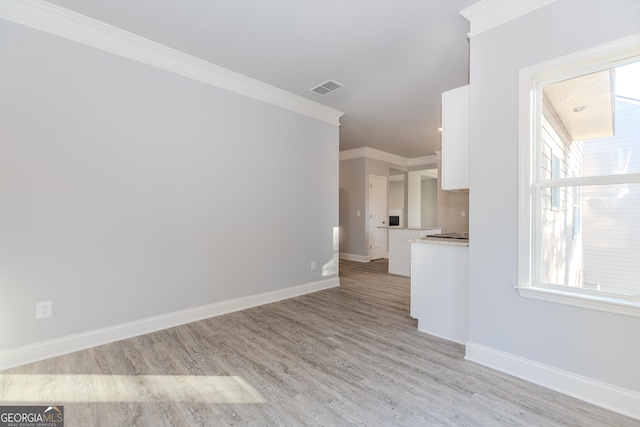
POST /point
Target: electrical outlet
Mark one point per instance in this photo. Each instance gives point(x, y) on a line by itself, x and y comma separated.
point(313, 265)
point(44, 309)
point(463, 214)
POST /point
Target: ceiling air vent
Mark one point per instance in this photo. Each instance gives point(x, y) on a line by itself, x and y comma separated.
point(326, 87)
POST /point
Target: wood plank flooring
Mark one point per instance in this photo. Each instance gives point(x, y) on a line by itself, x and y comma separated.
point(344, 356)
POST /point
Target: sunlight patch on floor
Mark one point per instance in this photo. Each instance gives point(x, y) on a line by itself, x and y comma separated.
point(123, 388)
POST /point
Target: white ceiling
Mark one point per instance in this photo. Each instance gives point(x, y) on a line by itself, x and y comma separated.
point(394, 57)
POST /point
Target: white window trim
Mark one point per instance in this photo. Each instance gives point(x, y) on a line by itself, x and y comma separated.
point(531, 79)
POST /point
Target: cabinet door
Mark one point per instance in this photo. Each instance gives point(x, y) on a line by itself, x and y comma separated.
point(455, 139)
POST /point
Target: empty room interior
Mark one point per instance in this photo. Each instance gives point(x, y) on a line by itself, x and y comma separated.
point(320, 213)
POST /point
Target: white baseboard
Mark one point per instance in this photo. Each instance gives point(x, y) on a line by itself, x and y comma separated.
point(617, 399)
point(352, 257)
point(448, 338)
point(56, 347)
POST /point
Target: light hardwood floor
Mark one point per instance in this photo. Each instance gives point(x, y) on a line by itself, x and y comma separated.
point(345, 356)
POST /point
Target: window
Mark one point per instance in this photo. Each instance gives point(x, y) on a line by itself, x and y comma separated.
point(579, 190)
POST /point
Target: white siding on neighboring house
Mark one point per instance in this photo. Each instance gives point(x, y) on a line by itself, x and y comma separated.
point(561, 246)
point(590, 234)
point(611, 220)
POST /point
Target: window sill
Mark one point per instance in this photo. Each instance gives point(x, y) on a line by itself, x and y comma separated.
point(603, 302)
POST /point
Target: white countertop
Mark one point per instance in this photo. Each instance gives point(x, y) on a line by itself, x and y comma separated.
point(438, 241)
point(396, 227)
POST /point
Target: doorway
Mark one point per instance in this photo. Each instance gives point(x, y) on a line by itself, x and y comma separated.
point(377, 217)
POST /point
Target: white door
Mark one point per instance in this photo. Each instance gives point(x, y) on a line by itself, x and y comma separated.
point(377, 216)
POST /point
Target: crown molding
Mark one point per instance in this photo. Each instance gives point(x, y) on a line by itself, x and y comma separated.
point(423, 161)
point(61, 22)
point(488, 14)
point(372, 153)
point(355, 153)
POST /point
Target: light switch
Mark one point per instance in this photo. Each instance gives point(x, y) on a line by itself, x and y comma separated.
point(357, 213)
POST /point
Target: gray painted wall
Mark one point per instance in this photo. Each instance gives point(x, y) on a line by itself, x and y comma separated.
point(354, 176)
point(450, 205)
point(128, 192)
point(396, 195)
point(599, 345)
point(429, 208)
point(352, 200)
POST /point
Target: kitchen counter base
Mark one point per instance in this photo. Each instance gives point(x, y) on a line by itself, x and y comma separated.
point(400, 248)
point(439, 289)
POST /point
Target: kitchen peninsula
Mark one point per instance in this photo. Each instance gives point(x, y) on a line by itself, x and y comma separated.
point(400, 248)
point(439, 286)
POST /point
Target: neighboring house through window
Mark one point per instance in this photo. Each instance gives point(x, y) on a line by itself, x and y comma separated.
point(579, 228)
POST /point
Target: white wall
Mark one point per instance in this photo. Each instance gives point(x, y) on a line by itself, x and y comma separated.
point(596, 345)
point(128, 192)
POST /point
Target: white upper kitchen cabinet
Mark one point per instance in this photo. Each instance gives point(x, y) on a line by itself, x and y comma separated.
point(455, 139)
